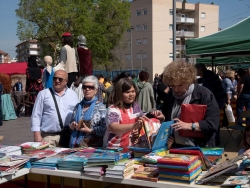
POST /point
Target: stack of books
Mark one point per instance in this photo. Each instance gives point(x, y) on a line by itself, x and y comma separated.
point(95, 170)
point(106, 158)
point(29, 147)
point(120, 169)
point(152, 157)
point(9, 150)
point(146, 174)
point(9, 165)
point(48, 162)
point(180, 168)
point(74, 161)
point(213, 154)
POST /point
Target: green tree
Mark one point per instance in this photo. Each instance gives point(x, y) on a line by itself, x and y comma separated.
point(103, 22)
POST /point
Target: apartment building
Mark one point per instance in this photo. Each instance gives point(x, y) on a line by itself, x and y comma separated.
point(4, 57)
point(26, 49)
point(150, 37)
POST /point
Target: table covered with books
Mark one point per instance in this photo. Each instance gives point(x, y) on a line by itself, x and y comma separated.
point(151, 165)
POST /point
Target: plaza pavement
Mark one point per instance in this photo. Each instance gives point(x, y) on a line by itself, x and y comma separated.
point(18, 131)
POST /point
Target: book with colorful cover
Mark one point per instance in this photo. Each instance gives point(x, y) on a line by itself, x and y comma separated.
point(190, 152)
point(39, 154)
point(194, 167)
point(102, 157)
point(8, 162)
point(6, 150)
point(154, 156)
point(212, 151)
point(117, 171)
point(122, 164)
point(236, 180)
point(146, 173)
point(49, 161)
point(187, 177)
point(178, 159)
point(79, 157)
point(204, 157)
point(158, 142)
point(119, 176)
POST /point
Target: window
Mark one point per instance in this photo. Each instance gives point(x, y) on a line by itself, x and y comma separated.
point(170, 55)
point(138, 42)
point(145, 26)
point(203, 15)
point(171, 12)
point(145, 41)
point(145, 56)
point(170, 26)
point(145, 11)
point(138, 56)
point(203, 28)
point(138, 27)
point(170, 41)
point(138, 13)
point(128, 56)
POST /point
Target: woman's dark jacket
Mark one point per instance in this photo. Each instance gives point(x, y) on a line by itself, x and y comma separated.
point(210, 124)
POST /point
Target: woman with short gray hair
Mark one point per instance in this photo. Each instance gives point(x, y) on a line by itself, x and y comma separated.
point(88, 119)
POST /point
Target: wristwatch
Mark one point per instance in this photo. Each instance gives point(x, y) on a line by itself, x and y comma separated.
point(193, 126)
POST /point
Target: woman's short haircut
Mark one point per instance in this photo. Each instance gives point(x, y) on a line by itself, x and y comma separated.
point(143, 76)
point(230, 74)
point(179, 72)
point(120, 87)
point(91, 79)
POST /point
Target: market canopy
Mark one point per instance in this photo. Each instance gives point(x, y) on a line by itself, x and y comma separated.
point(224, 60)
point(231, 42)
point(13, 68)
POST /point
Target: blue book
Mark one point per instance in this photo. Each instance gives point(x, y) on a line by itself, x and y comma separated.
point(212, 151)
point(159, 141)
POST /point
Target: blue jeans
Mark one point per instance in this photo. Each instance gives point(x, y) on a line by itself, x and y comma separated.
point(1, 112)
point(243, 101)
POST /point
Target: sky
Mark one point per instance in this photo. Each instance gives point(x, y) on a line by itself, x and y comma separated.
point(230, 12)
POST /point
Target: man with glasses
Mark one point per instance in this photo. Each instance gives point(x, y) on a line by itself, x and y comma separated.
point(44, 119)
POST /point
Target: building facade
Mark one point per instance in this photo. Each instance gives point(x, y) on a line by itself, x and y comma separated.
point(26, 49)
point(4, 57)
point(152, 30)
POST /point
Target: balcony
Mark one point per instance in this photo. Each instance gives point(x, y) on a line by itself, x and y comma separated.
point(185, 20)
point(180, 47)
point(189, 34)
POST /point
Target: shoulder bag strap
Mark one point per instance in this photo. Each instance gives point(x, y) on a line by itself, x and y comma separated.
point(57, 109)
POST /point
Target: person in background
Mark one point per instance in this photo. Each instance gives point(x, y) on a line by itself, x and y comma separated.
point(33, 82)
point(77, 87)
point(155, 84)
point(228, 86)
point(145, 92)
point(44, 119)
point(124, 116)
point(134, 78)
point(100, 90)
point(181, 77)
point(162, 90)
point(18, 85)
point(244, 94)
point(101, 78)
point(88, 119)
point(1, 111)
point(67, 58)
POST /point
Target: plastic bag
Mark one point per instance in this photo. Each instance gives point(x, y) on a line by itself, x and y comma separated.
point(229, 113)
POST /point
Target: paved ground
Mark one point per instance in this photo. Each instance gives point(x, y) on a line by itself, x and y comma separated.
point(18, 131)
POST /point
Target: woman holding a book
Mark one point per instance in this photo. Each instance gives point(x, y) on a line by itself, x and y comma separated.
point(88, 119)
point(124, 116)
point(181, 78)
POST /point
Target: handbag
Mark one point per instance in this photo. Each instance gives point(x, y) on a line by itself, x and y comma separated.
point(229, 113)
point(65, 131)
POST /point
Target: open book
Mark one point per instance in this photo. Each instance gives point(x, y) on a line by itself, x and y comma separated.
point(151, 139)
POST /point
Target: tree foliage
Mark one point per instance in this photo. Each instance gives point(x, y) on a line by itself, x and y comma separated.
point(103, 22)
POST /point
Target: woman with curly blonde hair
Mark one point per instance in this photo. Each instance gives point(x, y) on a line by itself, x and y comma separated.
point(181, 78)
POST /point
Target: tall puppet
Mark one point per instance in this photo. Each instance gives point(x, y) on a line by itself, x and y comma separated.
point(67, 59)
point(85, 57)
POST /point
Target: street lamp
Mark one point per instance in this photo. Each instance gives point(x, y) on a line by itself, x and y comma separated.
point(141, 58)
point(131, 56)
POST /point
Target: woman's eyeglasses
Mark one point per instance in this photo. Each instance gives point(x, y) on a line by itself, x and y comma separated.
point(57, 78)
point(88, 87)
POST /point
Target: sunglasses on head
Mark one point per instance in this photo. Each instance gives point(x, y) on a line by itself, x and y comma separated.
point(60, 79)
point(88, 87)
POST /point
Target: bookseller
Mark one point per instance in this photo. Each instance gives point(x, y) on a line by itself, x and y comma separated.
point(181, 78)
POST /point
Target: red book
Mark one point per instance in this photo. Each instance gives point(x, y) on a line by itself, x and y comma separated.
point(191, 113)
point(178, 160)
